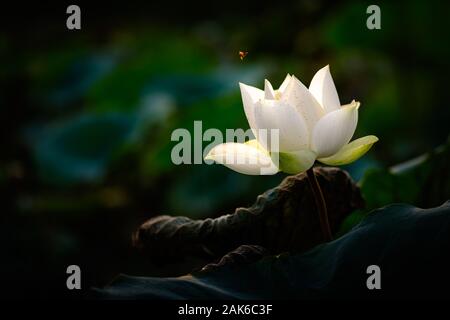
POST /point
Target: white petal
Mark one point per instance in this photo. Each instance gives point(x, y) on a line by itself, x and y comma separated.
point(323, 89)
point(269, 93)
point(334, 130)
point(244, 158)
point(250, 95)
point(292, 130)
point(298, 96)
point(285, 83)
point(350, 152)
point(296, 161)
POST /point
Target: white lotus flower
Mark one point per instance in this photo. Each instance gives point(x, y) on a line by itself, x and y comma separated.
point(312, 126)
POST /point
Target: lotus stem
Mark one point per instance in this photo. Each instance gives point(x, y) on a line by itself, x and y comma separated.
point(320, 204)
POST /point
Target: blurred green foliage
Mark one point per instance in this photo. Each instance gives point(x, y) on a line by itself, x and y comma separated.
point(424, 181)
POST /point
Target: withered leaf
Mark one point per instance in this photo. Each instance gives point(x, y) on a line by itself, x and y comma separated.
point(282, 219)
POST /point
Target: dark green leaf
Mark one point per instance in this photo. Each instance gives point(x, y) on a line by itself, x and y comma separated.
point(425, 180)
point(410, 245)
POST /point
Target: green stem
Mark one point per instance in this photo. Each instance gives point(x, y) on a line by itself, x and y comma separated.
point(320, 204)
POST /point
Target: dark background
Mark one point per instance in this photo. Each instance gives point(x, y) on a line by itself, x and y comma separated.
point(86, 116)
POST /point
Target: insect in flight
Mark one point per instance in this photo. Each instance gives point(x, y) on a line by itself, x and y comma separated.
point(242, 54)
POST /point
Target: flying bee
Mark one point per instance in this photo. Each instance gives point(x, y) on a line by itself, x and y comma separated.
point(242, 54)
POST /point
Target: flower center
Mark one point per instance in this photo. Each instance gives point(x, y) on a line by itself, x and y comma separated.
point(277, 95)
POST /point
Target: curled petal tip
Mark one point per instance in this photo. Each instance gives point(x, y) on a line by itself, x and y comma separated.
point(352, 105)
point(355, 104)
